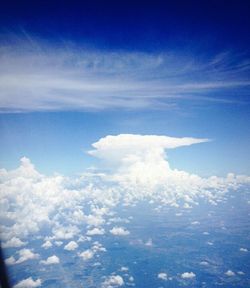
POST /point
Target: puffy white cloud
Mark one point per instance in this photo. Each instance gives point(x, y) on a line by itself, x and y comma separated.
point(131, 278)
point(112, 147)
point(94, 220)
point(31, 201)
point(28, 283)
point(140, 168)
point(119, 231)
point(204, 263)
point(26, 254)
point(95, 231)
point(98, 247)
point(163, 276)
point(87, 254)
point(13, 242)
point(230, 273)
point(51, 260)
point(113, 281)
point(47, 244)
point(65, 232)
point(58, 243)
point(243, 249)
point(124, 269)
point(72, 245)
point(188, 275)
point(10, 261)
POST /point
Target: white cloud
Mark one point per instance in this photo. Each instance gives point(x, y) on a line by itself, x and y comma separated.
point(119, 231)
point(58, 243)
point(47, 244)
point(188, 275)
point(65, 232)
point(149, 242)
point(98, 247)
point(51, 260)
point(124, 269)
point(113, 281)
point(28, 283)
point(138, 164)
point(243, 249)
point(204, 263)
point(116, 148)
point(94, 220)
point(140, 170)
point(195, 223)
point(230, 273)
point(72, 245)
point(10, 261)
point(13, 242)
point(95, 231)
point(26, 254)
point(163, 276)
point(52, 79)
point(87, 254)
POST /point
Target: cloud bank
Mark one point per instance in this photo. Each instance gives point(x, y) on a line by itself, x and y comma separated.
point(139, 170)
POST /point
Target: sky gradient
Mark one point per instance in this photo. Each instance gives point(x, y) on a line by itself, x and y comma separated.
point(73, 73)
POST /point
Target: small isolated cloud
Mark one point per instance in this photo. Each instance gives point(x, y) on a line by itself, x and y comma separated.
point(119, 231)
point(51, 260)
point(47, 244)
point(230, 273)
point(113, 281)
point(124, 269)
point(10, 261)
point(13, 243)
point(58, 243)
point(94, 220)
point(243, 249)
point(28, 283)
point(204, 263)
point(98, 247)
point(95, 231)
point(65, 233)
point(163, 276)
point(195, 223)
point(87, 254)
point(72, 245)
point(188, 275)
point(149, 243)
point(26, 254)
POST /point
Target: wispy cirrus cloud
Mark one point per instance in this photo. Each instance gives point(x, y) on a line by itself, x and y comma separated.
point(39, 77)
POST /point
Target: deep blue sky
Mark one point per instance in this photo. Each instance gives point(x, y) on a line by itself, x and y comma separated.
point(213, 33)
point(133, 25)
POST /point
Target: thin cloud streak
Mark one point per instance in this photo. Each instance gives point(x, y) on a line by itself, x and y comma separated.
point(61, 79)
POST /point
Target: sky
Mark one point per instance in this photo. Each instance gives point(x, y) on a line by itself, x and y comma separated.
point(72, 73)
point(125, 135)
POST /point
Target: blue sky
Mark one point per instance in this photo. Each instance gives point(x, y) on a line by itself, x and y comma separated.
point(72, 73)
